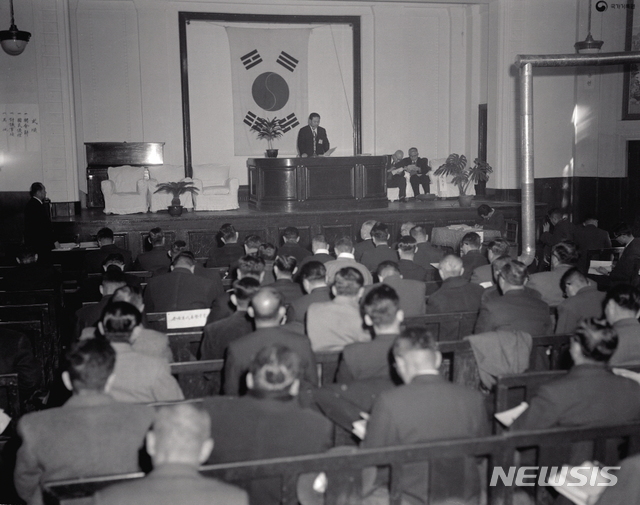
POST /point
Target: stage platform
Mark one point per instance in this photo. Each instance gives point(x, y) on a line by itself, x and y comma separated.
point(199, 229)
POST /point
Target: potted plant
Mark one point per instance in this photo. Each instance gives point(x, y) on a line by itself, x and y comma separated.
point(463, 176)
point(176, 189)
point(269, 130)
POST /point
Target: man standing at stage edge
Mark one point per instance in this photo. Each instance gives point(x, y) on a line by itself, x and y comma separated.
point(312, 139)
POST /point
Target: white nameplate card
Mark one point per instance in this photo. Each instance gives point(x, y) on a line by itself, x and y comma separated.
point(187, 318)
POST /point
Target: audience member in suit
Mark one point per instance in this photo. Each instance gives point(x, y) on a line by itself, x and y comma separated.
point(267, 422)
point(178, 443)
point(626, 269)
point(491, 219)
point(16, 356)
point(583, 301)
point(627, 489)
point(291, 246)
point(590, 394)
point(229, 252)
point(426, 253)
point(418, 168)
point(268, 311)
point(252, 245)
point(89, 315)
point(587, 237)
point(345, 258)
point(90, 286)
point(268, 252)
point(515, 309)
point(157, 260)
point(38, 232)
point(320, 248)
point(138, 378)
point(622, 309)
point(470, 251)
point(493, 292)
point(484, 273)
point(210, 273)
point(411, 293)
point(395, 175)
point(284, 269)
point(93, 260)
point(564, 255)
point(334, 324)
point(218, 335)
point(409, 269)
point(456, 294)
point(408, 415)
point(563, 230)
point(90, 435)
point(382, 252)
point(312, 139)
point(314, 281)
point(367, 242)
point(180, 289)
point(30, 274)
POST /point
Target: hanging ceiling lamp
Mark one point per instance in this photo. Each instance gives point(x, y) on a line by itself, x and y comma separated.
point(13, 41)
point(588, 45)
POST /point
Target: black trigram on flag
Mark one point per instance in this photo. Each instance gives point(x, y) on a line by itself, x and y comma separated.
point(287, 61)
point(250, 119)
point(251, 59)
point(289, 122)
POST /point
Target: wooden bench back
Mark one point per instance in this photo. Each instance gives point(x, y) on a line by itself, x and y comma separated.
point(446, 327)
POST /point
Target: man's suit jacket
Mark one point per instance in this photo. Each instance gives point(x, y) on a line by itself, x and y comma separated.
point(472, 260)
point(626, 269)
point(421, 163)
point(297, 311)
point(564, 230)
point(334, 324)
point(427, 254)
point(139, 378)
point(305, 141)
point(295, 250)
point(169, 484)
point(90, 435)
point(38, 232)
point(264, 425)
point(548, 285)
point(226, 255)
point(495, 222)
point(587, 395)
point(144, 340)
point(89, 315)
point(589, 237)
point(179, 290)
point(321, 257)
point(372, 258)
point(455, 295)
point(291, 291)
point(241, 351)
point(481, 274)
point(628, 350)
point(360, 247)
point(93, 259)
point(366, 360)
point(427, 409)
point(515, 310)
point(410, 270)
point(587, 303)
point(218, 335)
point(156, 261)
point(335, 265)
point(412, 294)
point(627, 489)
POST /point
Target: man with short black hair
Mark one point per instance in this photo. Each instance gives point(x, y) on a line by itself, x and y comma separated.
point(157, 260)
point(320, 249)
point(93, 259)
point(268, 311)
point(491, 219)
point(313, 276)
point(229, 252)
point(622, 309)
point(217, 335)
point(484, 274)
point(407, 248)
point(588, 237)
point(180, 289)
point(382, 252)
point(179, 442)
point(312, 139)
point(564, 255)
point(291, 246)
point(456, 294)
point(345, 258)
point(334, 324)
point(412, 293)
point(284, 269)
point(90, 435)
point(251, 266)
point(471, 254)
point(626, 268)
point(583, 301)
point(89, 315)
point(252, 245)
point(38, 232)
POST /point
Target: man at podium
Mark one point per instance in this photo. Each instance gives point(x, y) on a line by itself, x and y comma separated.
point(312, 139)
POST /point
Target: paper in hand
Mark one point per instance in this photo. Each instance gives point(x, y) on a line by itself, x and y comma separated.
point(507, 417)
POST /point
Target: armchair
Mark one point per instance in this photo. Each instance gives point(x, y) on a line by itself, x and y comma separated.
point(216, 190)
point(166, 173)
point(125, 191)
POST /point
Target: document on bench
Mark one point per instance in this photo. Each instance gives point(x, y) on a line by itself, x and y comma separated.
point(578, 483)
point(187, 318)
point(507, 417)
point(595, 264)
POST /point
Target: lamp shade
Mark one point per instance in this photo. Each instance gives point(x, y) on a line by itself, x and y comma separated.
point(588, 46)
point(13, 41)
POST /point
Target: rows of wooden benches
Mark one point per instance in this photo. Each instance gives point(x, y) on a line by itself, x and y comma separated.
point(344, 471)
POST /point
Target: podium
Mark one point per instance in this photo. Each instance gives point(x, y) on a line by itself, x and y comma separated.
point(334, 183)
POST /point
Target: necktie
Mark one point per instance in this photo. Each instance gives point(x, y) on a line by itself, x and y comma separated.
point(314, 141)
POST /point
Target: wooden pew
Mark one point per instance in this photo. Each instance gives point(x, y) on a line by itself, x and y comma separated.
point(327, 363)
point(198, 379)
point(185, 344)
point(447, 326)
point(344, 471)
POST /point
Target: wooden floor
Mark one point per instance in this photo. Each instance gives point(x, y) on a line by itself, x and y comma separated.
point(199, 229)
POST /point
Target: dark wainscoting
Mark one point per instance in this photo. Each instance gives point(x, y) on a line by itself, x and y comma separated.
point(11, 220)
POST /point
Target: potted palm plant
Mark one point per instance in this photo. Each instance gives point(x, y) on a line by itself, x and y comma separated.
point(269, 130)
point(463, 176)
point(176, 189)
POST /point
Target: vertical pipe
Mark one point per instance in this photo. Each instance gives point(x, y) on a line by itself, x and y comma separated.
point(528, 203)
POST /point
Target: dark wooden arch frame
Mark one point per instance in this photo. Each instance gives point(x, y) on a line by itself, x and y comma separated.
point(185, 18)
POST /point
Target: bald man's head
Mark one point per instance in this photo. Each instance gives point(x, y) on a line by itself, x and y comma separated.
point(267, 307)
point(450, 266)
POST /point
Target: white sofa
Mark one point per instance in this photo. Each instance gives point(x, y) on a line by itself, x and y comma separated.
point(216, 190)
point(125, 191)
point(166, 173)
